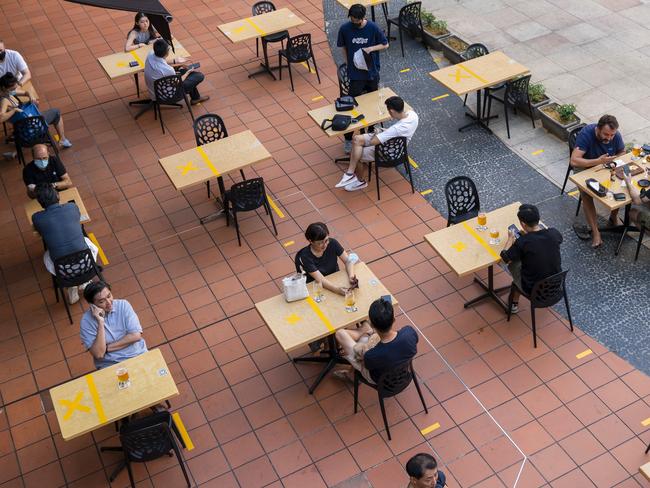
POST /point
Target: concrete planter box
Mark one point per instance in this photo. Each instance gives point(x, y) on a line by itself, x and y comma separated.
point(523, 108)
point(454, 55)
point(556, 128)
point(433, 40)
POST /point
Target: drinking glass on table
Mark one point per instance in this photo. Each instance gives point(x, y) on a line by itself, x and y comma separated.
point(636, 151)
point(381, 102)
point(494, 237)
point(482, 222)
point(350, 301)
point(123, 378)
point(317, 291)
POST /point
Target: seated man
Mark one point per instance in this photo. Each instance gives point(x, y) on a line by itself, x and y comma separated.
point(110, 328)
point(640, 211)
point(533, 256)
point(45, 169)
point(61, 231)
point(377, 347)
point(156, 66)
point(423, 472)
point(12, 62)
point(597, 144)
point(363, 145)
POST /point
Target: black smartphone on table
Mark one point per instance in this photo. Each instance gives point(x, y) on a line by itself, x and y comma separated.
point(133, 64)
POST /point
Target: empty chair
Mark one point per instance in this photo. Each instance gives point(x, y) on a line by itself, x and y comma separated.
point(298, 50)
point(545, 293)
point(390, 154)
point(29, 132)
point(474, 51)
point(390, 384)
point(344, 79)
point(246, 196)
point(260, 8)
point(409, 20)
point(169, 91)
point(573, 136)
point(73, 270)
point(516, 93)
point(462, 200)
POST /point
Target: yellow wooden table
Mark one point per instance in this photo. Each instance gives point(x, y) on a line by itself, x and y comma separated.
point(299, 323)
point(367, 3)
point(479, 73)
point(65, 196)
point(117, 64)
point(91, 401)
point(467, 250)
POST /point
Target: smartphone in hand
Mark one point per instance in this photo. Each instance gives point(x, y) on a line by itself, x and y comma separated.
point(513, 228)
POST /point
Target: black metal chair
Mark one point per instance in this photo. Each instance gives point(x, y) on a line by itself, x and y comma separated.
point(29, 132)
point(73, 270)
point(145, 439)
point(475, 51)
point(462, 200)
point(409, 20)
point(573, 136)
point(344, 79)
point(298, 50)
point(390, 154)
point(390, 384)
point(638, 244)
point(545, 293)
point(169, 91)
point(260, 8)
point(245, 196)
point(516, 93)
point(209, 128)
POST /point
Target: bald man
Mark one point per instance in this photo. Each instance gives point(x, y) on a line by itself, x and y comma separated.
point(45, 169)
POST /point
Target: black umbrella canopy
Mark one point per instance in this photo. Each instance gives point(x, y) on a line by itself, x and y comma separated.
point(158, 15)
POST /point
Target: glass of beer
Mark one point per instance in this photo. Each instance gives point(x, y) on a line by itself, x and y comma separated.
point(317, 289)
point(636, 151)
point(482, 221)
point(123, 378)
point(494, 237)
point(350, 301)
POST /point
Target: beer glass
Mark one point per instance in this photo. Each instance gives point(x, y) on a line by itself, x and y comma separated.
point(317, 289)
point(636, 151)
point(494, 237)
point(350, 301)
point(482, 222)
point(123, 378)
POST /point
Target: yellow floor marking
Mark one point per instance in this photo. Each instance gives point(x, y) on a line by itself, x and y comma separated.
point(275, 207)
point(426, 192)
point(101, 416)
point(293, 319)
point(646, 422)
point(480, 240)
point(459, 246)
point(584, 354)
point(189, 445)
point(187, 168)
point(437, 60)
point(74, 405)
point(430, 429)
point(405, 70)
point(100, 251)
point(289, 243)
point(440, 97)
point(256, 27)
point(307, 66)
point(539, 151)
point(207, 161)
point(319, 97)
point(573, 193)
point(413, 163)
point(320, 314)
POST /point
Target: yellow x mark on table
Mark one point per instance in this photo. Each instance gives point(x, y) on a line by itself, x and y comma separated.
point(74, 405)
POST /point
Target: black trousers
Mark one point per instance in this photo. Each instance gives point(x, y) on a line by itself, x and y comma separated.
point(191, 82)
point(359, 87)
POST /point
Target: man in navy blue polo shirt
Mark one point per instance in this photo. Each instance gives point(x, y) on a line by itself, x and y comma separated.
point(361, 33)
point(597, 144)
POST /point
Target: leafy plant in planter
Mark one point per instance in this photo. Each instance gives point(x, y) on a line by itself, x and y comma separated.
point(537, 92)
point(567, 112)
point(434, 30)
point(558, 119)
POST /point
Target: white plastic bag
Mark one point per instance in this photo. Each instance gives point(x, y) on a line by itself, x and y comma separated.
point(295, 287)
point(360, 60)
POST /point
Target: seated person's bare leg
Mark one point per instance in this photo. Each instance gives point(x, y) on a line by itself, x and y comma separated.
point(591, 218)
point(348, 338)
point(355, 156)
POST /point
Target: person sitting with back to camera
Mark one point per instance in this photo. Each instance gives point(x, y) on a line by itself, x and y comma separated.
point(141, 34)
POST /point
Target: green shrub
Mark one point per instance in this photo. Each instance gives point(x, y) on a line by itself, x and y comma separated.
point(566, 111)
point(438, 27)
point(537, 92)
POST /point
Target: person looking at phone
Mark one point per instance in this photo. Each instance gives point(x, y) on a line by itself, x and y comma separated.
point(110, 328)
point(45, 169)
point(141, 34)
point(597, 144)
point(532, 256)
point(156, 66)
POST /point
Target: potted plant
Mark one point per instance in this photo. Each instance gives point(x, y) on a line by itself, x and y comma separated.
point(434, 30)
point(538, 97)
point(558, 119)
point(453, 48)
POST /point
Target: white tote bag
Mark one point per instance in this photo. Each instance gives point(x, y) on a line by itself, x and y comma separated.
point(295, 287)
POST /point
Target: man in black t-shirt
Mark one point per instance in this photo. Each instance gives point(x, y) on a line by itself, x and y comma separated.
point(532, 256)
point(45, 169)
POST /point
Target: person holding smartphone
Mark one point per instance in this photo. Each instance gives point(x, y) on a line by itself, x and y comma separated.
point(45, 169)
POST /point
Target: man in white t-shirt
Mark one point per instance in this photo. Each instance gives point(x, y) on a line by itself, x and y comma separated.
point(12, 62)
point(363, 145)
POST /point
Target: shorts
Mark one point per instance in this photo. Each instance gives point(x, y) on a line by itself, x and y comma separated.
point(52, 116)
point(514, 267)
point(361, 368)
point(368, 153)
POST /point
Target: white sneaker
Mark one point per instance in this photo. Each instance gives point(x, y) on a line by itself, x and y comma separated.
point(347, 147)
point(66, 143)
point(514, 308)
point(72, 294)
point(346, 179)
point(356, 185)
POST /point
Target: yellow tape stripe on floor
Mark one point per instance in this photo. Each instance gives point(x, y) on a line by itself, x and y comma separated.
point(95, 396)
point(256, 27)
point(584, 354)
point(480, 240)
point(413, 163)
point(479, 78)
point(405, 70)
point(137, 57)
point(430, 429)
point(275, 207)
point(207, 161)
point(189, 445)
point(645, 422)
point(307, 66)
point(320, 314)
point(102, 256)
point(440, 97)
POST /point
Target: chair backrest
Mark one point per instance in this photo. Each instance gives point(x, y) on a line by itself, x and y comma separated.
point(30, 131)
point(391, 153)
point(549, 291)
point(462, 199)
point(299, 48)
point(260, 8)
point(573, 136)
point(409, 17)
point(147, 438)
point(344, 79)
point(75, 269)
point(475, 51)
point(395, 380)
point(248, 194)
point(209, 128)
point(169, 89)
point(517, 90)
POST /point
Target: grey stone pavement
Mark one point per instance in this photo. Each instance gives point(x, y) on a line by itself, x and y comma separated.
point(604, 290)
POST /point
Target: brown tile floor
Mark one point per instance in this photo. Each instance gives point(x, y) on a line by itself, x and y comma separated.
point(577, 420)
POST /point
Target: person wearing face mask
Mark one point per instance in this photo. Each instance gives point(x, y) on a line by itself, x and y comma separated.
point(597, 144)
point(12, 62)
point(45, 169)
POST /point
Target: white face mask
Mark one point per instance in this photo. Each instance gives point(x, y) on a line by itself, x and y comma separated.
point(41, 163)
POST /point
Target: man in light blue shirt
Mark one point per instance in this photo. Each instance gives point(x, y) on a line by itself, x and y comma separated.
point(110, 329)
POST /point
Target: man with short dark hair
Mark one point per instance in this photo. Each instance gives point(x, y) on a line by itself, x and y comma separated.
point(597, 144)
point(45, 169)
point(532, 256)
point(360, 33)
point(423, 472)
point(110, 328)
point(363, 145)
point(12, 62)
point(156, 67)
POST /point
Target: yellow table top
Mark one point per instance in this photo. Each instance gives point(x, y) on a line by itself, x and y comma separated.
point(260, 25)
point(65, 196)
point(298, 323)
point(369, 106)
point(466, 249)
point(603, 175)
point(117, 64)
point(366, 3)
point(86, 403)
point(215, 159)
point(478, 73)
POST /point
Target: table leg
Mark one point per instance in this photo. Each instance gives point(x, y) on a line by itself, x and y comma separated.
point(330, 356)
point(478, 118)
point(265, 65)
point(490, 291)
point(219, 201)
point(625, 228)
point(148, 105)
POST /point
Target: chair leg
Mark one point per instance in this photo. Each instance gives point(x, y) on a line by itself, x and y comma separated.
point(207, 185)
point(532, 318)
point(578, 207)
point(257, 47)
point(356, 390)
point(505, 111)
point(566, 178)
point(189, 106)
point(241, 172)
point(290, 75)
point(465, 100)
point(56, 289)
point(638, 244)
point(226, 205)
point(234, 216)
point(489, 110)
point(401, 39)
point(181, 462)
point(568, 310)
point(510, 297)
point(408, 170)
point(128, 469)
point(67, 308)
point(647, 449)
point(280, 65)
point(417, 387)
point(270, 212)
point(388, 34)
point(383, 414)
point(313, 58)
point(377, 179)
point(532, 114)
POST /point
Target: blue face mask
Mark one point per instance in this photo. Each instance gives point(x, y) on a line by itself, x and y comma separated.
point(13, 93)
point(41, 163)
